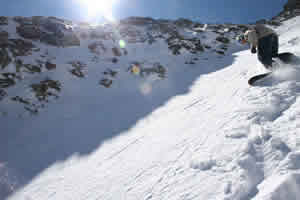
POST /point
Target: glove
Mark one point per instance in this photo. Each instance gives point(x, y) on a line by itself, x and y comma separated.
point(253, 50)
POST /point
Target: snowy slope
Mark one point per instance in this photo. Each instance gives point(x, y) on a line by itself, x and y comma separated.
point(199, 133)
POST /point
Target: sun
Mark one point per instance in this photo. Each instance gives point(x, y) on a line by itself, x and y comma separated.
point(99, 8)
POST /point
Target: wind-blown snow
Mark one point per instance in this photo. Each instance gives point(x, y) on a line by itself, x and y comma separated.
point(203, 133)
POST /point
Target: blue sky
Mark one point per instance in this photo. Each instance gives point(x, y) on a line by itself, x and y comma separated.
point(235, 11)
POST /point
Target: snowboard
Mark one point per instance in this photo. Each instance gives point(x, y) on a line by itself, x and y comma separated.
point(258, 77)
point(285, 57)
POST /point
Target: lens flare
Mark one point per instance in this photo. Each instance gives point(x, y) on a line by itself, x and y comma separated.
point(122, 44)
point(146, 89)
point(135, 70)
point(96, 8)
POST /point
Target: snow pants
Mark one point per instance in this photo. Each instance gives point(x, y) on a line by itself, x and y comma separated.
point(267, 49)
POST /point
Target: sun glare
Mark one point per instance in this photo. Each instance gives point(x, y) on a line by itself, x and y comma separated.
point(99, 8)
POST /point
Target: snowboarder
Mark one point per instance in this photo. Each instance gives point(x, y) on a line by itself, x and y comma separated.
point(262, 40)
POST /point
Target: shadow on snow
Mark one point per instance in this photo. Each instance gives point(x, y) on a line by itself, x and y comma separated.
point(27, 149)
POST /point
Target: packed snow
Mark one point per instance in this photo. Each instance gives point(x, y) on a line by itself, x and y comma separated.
point(200, 133)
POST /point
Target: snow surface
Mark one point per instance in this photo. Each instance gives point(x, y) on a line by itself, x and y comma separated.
point(202, 133)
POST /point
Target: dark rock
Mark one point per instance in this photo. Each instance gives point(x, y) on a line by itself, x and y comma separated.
point(32, 68)
point(106, 82)
point(97, 47)
point(23, 20)
point(110, 72)
point(20, 47)
point(220, 52)
point(42, 92)
point(3, 20)
point(133, 35)
point(20, 100)
point(223, 39)
point(157, 68)
point(47, 31)
point(70, 40)
point(37, 20)
point(116, 51)
point(138, 21)
point(65, 41)
point(29, 32)
point(3, 35)
point(4, 58)
point(77, 72)
point(50, 39)
point(4, 39)
point(114, 60)
point(290, 5)
point(77, 68)
point(176, 43)
point(274, 23)
point(3, 94)
point(7, 82)
point(29, 68)
point(184, 22)
point(54, 27)
point(50, 66)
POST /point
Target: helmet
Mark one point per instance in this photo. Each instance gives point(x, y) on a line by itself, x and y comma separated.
point(243, 38)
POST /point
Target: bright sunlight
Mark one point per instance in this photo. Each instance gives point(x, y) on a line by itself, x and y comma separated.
point(99, 7)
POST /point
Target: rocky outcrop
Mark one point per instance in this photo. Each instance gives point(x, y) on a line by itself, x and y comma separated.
point(177, 43)
point(29, 31)
point(50, 66)
point(105, 45)
point(184, 23)
point(290, 10)
point(138, 21)
point(47, 30)
point(20, 47)
point(3, 94)
point(223, 39)
point(4, 58)
point(44, 89)
point(77, 68)
point(7, 80)
point(3, 20)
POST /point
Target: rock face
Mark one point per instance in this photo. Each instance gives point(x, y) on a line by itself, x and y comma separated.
point(290, 10)
point(116, 47)
point(47, 30)
point(103, 44)
point(292, 4)
point(3, 20)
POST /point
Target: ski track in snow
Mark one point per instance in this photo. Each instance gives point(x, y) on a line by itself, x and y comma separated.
point(221, 140)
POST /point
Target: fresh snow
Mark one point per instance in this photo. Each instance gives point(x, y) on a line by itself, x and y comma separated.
point(201, 133)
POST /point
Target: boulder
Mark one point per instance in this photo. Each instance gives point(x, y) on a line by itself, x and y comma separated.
point(116, 51)
point(20, 47)
point(23, 20)
point(4, 38)
point(50, 66)
point(223, 39)
point(4, 58)
point(3, 20)
point(138, 21)
point(50, 39)
point(70, 40)
point(184, 22)
point(29, 32)
point(3, 94)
